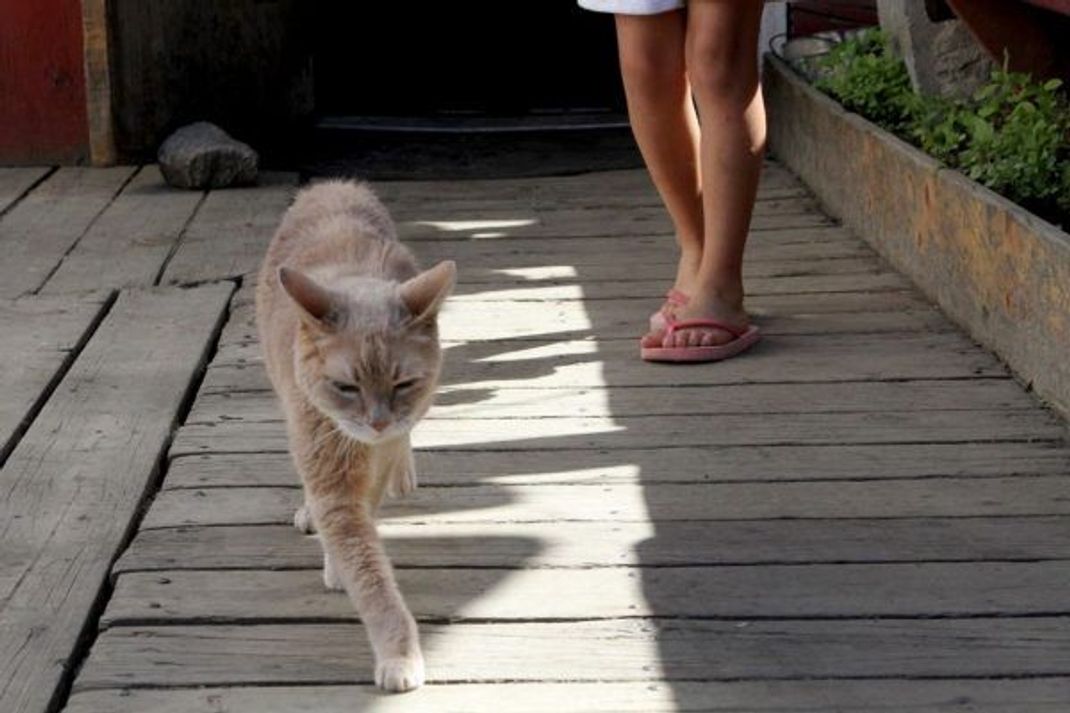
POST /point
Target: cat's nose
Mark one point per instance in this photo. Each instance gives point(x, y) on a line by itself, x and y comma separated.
point(380, 424)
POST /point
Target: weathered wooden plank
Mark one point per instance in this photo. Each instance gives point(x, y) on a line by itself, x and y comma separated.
point(15, 181)
point(479, 367)
point(771, 201)
point(641, 432)
point(614, 650)
point(777, 315)
point(41, 337)
point(38, 232)
point(513, 253)
point(575, 225)
point(420, 204)
point(945, 589)
point(635, 502)
point(231, 230)
point(1036, 695)
point(651, 278)
point(586, 544)
point(587, 185)
point(548, 290)
point(512, 402)
point(75, 481)
point(625, 317)
point(681, 465)
point(131, 240)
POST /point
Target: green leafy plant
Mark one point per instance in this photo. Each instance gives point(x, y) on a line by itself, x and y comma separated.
point(867, 78)
point(1017, 137)
point(1012, 135)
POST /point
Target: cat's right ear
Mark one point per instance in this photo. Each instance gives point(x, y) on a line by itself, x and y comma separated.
point(314, 300)
point(425, 293)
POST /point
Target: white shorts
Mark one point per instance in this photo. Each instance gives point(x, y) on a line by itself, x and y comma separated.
point(632, 7)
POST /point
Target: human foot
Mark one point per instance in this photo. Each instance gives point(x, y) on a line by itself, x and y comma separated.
point(709, 328)
point(674, 299)
point(686, 281)
point(742, 339)
point(698, 340)
point(724, 309)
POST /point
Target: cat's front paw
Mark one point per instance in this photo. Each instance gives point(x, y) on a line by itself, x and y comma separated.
point(400, 674)
point(402, 481)
point(303, 520)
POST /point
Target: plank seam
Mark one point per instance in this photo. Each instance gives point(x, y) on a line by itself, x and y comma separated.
point(623, 447)
point(470, 299)
point(424, 521)
point(89, 226)
point(88, 635)
point(57, 378)
point(179, 239)
point(356, 679)
point(1008, 410)
point(238, 366)
point(209, 620)
point(30, 189)
point(369, 686)
point(654, 483)
point(736, 564)
point(840, 233)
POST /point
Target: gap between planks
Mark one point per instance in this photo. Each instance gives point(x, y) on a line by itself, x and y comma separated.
point(1006, 695)
point(945, 590)
point(640, 502)
point(604, 650)
point(77, 479)
point(728, 464)
point(43, 338)
point(570, 545)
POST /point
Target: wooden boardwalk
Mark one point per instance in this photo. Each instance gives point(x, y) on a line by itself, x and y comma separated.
point(866, 513)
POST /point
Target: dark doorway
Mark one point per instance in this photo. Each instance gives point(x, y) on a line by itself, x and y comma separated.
point(464, 90)
point(475, 58)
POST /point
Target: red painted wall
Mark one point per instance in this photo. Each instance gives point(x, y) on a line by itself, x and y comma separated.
point(42, 82)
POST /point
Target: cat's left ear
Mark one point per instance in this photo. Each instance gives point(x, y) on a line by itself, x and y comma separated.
point(425, 293)
point(315, 301)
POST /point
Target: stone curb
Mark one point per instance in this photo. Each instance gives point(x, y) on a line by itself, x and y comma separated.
point(996, 269)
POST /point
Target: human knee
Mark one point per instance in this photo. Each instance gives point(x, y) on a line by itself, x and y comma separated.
point(648, 70)
point(722, 72)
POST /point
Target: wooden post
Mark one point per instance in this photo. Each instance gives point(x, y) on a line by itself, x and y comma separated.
point(98, 83)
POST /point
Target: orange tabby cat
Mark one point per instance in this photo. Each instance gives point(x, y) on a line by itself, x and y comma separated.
point(349, 330)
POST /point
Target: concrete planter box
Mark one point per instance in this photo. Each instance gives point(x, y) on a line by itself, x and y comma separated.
point(996, 269)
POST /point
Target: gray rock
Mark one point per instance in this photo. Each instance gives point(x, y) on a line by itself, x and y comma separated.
point(943, 58)
point(202, 155)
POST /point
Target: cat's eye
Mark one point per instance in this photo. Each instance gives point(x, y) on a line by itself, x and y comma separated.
point(406, 384)
point(344, 388)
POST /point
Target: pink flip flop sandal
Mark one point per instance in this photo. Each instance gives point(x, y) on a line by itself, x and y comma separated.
point(744, 339)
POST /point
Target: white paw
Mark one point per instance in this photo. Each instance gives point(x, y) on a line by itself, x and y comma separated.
point(401, 674)
point(331, 580)
point(303, 520)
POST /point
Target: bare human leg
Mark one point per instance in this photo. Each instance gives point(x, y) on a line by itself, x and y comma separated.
point(665, 125)
point(721, 56)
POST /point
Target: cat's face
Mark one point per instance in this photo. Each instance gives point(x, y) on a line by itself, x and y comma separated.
point(369, 359)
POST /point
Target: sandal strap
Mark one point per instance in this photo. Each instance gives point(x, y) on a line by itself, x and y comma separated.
point(672, 326)
point(676, 297)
